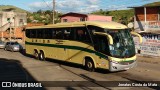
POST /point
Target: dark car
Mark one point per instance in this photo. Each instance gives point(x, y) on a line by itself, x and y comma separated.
point(13, 46)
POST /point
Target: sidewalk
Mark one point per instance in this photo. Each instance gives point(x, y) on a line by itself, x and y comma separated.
point(148, 59)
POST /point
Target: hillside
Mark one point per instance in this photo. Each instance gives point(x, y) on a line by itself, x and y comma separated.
point(121, 16)
point(45, 17)
point(3, 7)
point(152, 4)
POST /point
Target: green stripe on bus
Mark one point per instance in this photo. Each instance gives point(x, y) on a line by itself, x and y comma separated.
point(70, 47)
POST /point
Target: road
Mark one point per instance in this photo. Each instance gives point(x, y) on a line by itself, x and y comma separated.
point(15, 66)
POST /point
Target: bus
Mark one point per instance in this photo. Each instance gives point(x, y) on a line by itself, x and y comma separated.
point(93, 44)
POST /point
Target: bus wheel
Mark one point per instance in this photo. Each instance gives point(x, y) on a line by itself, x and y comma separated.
point(42, 56)
point(89, 65)
point(36, 56)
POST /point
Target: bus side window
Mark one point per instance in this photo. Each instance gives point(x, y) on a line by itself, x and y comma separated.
point(82, 35)
point(53, 34)
point(39, 33)
point(67, 33)
point(33, 33)
point(72, 34)
point(28, 33)
point(49, 33)
point(59, 34)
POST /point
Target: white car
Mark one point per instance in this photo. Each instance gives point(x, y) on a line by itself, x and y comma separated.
point(2, 44)
point(13, 46)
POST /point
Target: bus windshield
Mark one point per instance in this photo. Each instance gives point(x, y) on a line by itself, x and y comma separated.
point(123, 44)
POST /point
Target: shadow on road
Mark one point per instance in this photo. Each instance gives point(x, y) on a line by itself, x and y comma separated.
point(138, 81)
point(12, 71)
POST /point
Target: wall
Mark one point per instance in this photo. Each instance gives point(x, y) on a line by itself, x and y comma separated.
point(150, 45)
point(99, 18)
point(77, 17)
point(72, 18)
point(150, 25)
point(152, 19)
point(151, 14)
point(14, 18)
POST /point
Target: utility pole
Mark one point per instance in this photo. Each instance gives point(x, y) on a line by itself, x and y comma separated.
point(10, 37)
point(53, 10)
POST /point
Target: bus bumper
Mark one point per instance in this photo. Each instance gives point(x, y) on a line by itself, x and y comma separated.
point(119, 67)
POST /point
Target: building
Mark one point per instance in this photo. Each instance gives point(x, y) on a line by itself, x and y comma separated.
point(11, 24)
point(147, 23)
point(72, 17)
point(147, 17)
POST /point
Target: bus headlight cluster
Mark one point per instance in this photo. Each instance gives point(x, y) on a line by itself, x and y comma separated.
point(114, 62)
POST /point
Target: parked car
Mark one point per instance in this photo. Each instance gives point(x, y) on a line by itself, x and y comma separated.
point(2, 44)
point(13, 46)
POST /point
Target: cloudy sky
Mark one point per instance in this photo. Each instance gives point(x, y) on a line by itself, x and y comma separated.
point(82, 6)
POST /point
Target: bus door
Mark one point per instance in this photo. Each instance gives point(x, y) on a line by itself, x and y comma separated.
point(79, 44)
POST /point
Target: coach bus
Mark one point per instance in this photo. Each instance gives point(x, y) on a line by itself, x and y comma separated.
point(93, 44)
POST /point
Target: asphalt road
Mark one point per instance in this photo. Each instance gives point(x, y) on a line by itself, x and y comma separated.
point(15, 66)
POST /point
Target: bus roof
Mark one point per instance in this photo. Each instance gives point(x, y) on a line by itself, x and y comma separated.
point(102, 24)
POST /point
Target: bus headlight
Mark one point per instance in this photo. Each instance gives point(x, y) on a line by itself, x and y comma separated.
point(113, 61)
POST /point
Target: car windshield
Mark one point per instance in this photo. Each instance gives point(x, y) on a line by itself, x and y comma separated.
point(1, 42)
point(123, 45)
point(14, 43)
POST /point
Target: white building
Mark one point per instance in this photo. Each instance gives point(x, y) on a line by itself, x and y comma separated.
point(10, 20)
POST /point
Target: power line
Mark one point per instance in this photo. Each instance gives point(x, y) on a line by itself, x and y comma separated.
point(46, 3)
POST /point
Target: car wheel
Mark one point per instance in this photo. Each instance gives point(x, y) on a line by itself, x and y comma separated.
point(12, 50)
point(42, 56)
point(5, 49)
point(89, 65)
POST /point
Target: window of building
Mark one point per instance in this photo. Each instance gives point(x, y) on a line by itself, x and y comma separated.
point(8, 19)
point(82, 19)
point(21, 22)
point(65, 20)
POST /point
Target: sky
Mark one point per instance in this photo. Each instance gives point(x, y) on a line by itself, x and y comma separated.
point(80, 6)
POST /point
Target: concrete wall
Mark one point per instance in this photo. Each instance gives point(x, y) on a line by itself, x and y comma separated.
point(15, 18)
point(149, 26)
point(151, 14)
point(150, 45)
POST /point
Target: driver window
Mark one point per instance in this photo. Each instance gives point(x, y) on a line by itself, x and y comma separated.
point(101, 44)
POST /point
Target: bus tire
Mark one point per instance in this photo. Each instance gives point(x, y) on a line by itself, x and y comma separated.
point(42, 56)
point(36, 55)
point(89, 65)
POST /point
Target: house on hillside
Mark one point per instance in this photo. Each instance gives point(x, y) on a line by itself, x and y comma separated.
point(73, 17)
point(11, 24)
point(147, 23)
point(147, 17)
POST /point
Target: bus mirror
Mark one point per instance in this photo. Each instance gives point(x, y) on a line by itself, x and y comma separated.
point(138, 35)
point(109, 37)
